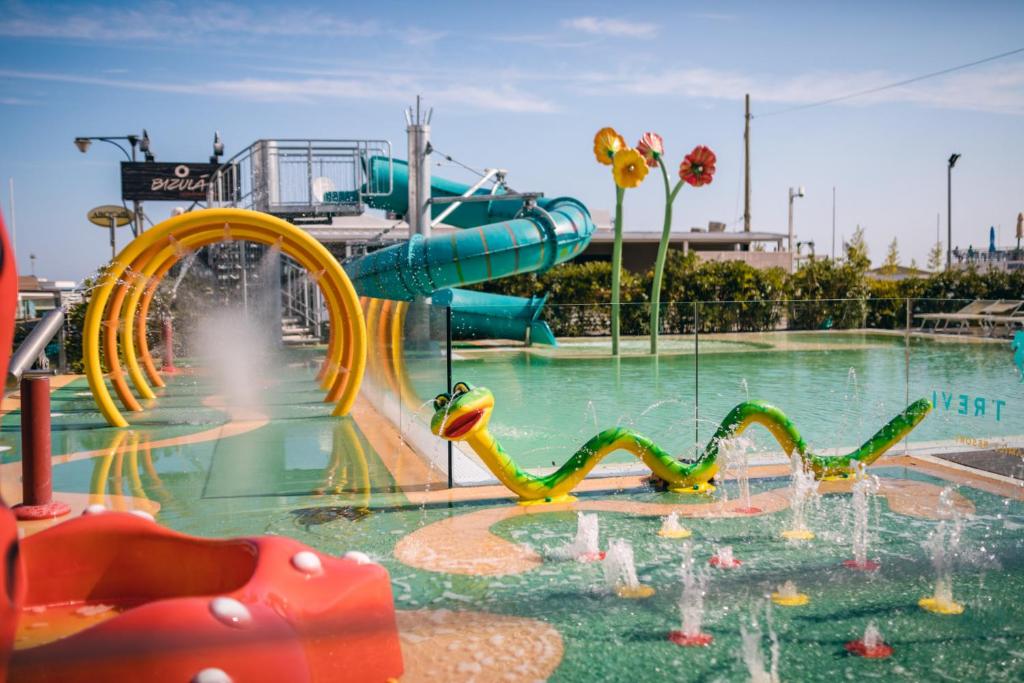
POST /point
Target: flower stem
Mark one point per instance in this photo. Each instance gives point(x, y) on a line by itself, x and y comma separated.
point(659, 264)
point(616, 269)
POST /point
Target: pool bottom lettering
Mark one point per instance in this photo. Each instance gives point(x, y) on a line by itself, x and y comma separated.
point(965, 404)
point(987, 444)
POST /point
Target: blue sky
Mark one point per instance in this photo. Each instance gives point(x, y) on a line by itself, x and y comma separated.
point(524, 86)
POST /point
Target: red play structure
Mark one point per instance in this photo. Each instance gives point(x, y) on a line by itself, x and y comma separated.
point(117, 597)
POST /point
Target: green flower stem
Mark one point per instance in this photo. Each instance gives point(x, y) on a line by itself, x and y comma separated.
point(659, 264)
point(616, 269)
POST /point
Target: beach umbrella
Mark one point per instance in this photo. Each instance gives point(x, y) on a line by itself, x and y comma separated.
point(992, 240)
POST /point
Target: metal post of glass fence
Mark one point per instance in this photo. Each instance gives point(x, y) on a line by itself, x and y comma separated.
point(448, 354)
point(696, 378)
point(906, 370)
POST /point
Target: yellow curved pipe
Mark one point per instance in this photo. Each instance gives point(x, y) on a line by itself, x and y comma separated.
point(141, 319)
point(349, 317)
point(150, 265)
point(197, 239)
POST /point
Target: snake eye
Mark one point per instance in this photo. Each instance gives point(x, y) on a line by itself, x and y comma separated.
point(460, 388)
point(441, 401)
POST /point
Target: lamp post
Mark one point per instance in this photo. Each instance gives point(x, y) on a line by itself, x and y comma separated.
point(949, 209)
point(794, 192)
point(83, 142)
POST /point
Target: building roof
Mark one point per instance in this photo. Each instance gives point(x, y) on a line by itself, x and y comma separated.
point(607, 235)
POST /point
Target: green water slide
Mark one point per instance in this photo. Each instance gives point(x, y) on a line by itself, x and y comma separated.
point(499, 238)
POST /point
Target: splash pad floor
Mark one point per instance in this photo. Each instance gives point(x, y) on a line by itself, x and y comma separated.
point(478, 596)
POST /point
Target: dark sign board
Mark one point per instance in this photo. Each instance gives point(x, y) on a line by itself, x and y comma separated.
point(165, 181)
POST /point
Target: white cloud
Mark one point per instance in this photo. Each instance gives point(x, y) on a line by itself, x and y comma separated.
point(605, 26)
point(997, 88)
point(165, 21)
point(16, 102)
point(395, 87)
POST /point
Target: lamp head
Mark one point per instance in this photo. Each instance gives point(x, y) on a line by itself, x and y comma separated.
point(952, 159)
point(144, 142)
point(83, 144)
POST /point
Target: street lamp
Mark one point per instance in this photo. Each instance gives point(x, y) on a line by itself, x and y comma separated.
point(218, 148)
point(949, 209)
point(794, 192)
point(83, 142)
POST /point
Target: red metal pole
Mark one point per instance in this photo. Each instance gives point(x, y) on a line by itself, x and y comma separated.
point(36, 465)
point(168, 328)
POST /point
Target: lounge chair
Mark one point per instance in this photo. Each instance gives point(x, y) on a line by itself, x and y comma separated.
point(940, 321)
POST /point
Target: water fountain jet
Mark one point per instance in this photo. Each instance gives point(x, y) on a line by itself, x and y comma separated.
point(805, 487)
point(870, 645)
point(723, 558)
point(787, 595)
point(691, 604)
point(860, 504)
point(584, 547)
point(620, 571)
point(671, 528)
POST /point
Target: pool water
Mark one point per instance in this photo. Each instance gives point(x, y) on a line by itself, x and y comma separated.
point(837, 387)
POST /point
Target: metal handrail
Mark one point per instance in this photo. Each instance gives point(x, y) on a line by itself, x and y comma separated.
point(45, 330)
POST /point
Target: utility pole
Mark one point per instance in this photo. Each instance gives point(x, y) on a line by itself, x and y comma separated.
point(746, 164)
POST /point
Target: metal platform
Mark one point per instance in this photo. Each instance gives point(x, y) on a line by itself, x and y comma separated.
point(302, 181)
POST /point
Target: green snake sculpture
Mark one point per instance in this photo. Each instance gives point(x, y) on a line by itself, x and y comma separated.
point(465, 413)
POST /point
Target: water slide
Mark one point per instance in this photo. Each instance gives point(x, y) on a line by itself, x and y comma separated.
point(499, 238)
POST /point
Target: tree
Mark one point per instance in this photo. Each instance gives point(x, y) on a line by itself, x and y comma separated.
point(857, 250)
point(936, 257)
point(892, 258)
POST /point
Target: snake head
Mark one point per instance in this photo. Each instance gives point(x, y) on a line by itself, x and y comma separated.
point(463, 412)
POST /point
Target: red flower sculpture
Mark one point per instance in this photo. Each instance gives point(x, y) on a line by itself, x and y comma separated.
point(698, 168)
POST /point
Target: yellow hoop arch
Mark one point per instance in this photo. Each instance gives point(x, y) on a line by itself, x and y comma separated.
point(140, 266)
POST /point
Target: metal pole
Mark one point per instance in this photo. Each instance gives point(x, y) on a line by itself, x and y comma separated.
point(790, 220)
point(696, 378)
point(746, 165)
point(448, 354)
point(949, 216)
point(113, 239)
point(36, 463)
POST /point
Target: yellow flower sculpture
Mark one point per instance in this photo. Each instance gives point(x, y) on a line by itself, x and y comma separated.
point(607, 143)
point(629, 168)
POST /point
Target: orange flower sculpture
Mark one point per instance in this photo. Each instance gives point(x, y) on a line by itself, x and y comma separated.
point(698, 167)
point(606, 143)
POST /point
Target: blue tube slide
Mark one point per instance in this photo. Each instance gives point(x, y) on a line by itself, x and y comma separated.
point(499, 239)
point(480, 315)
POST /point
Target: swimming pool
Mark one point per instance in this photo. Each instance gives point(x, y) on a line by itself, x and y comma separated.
point(837, 387)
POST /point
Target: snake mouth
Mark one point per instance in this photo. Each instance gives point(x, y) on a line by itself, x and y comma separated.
point(463, 423)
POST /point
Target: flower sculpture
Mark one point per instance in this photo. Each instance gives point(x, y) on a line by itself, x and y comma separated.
point(697, 169)
point(629, 168)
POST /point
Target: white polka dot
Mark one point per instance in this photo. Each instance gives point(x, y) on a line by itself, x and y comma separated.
point(230, 611)
point(360, 558)
point(307, 562)
point(95, 509)
point(211, 675)
point(143, 514)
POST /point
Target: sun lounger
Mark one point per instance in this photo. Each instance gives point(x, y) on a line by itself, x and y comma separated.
point(941, 321)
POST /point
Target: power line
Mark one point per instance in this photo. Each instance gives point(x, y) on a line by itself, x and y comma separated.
point(898, 84)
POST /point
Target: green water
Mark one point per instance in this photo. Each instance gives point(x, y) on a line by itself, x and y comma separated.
point(839, 394)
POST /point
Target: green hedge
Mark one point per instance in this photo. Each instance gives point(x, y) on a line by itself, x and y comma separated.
point(737, 297)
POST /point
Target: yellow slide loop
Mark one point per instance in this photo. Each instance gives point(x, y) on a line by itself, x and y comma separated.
point(195, 240)
point(348, 358)
point(158, 266)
